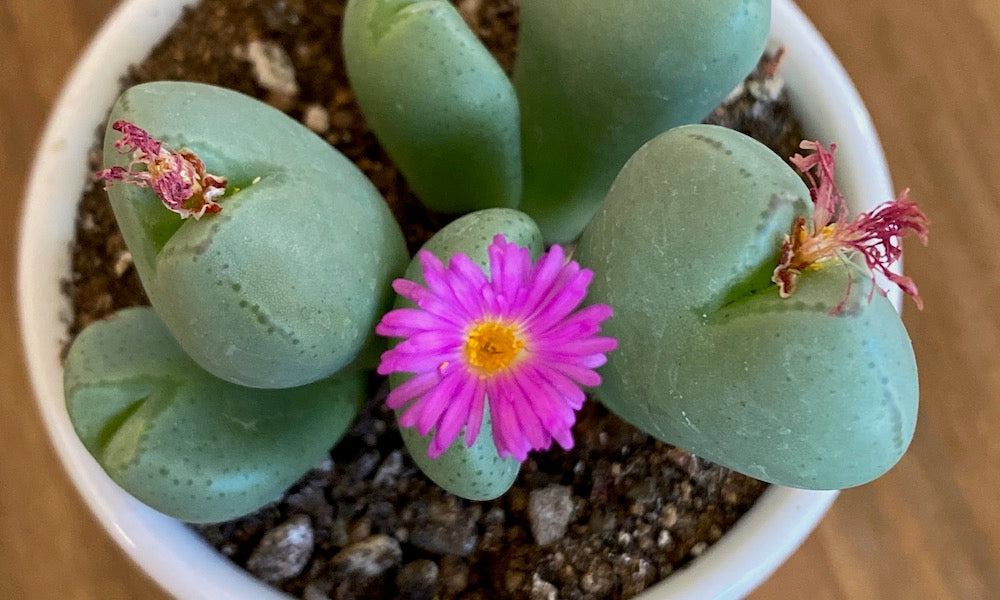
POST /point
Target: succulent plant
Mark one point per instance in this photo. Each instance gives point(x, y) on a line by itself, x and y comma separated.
point(594, 81)
point(283, 285)
point(816, 390)
point(184, 442)
point(269, 281)
point(438, 101)
point(476, 470)
point(748, 324)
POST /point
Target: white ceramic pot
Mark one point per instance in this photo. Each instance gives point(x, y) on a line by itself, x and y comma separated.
point(174, 556)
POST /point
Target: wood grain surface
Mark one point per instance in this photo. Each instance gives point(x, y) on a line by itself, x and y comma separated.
point(930, 73)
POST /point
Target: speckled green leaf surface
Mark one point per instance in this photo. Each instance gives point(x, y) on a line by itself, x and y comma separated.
point(184, 442)
point(710, 357)
point(439, 103)
point(281, 288)
point(596, 79)
point(476, 472)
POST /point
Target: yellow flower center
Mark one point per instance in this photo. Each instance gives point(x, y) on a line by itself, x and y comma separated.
point(491, 346)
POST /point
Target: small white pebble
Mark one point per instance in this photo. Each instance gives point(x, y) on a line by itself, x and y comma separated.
point(122, 262)
point(699, 549)
point(316, 118)
point(541, 589)
point(768, 89)
point(664, 539)
point(272, 68)
point(550, 510)
point(735, 93)
point(644, 568)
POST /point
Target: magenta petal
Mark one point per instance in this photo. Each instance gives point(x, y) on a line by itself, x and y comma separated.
point(437, 401)
point(404, 322)
point(516, 289)
point(453, 289)
point(593, 345)
point(564, 439)
point(437, 447)
point(490, 304)
point(566, 389)
point(506, 430)
point(500, 267)
point(457, 413)
point(530, 425)
point(584, 322)
point(438, 281)
point(467, 281)
point(475, 420)
point(412, 413)
point(411, 388)
point(445, 344)
point(532, 402)
point(553, 414)
point(399, 361)
point(509, 269)
point(593, 361)
point(468, 271)
point(580, 375)
point(563, 299)
point(573, 351)
point(410, 290)
point(493, 402)
point(543, 277)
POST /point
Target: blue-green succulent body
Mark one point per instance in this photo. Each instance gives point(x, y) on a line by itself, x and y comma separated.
point(184, 442)
point(788, 390)
point(476, 472)
point(597, 79)
point(594, 80)
point(284, 285)
point(438, 101)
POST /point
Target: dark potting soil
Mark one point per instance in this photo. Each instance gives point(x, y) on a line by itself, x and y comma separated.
point(613, 516)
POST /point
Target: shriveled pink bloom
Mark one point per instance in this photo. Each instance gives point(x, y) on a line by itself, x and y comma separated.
point(876, 235)
point(178, 178)
point(511, 342)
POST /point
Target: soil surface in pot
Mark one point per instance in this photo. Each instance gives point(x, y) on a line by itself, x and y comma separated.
point(608, 519)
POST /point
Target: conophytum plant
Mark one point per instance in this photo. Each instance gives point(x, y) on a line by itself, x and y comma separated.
point(594, 80)
point(713, 300)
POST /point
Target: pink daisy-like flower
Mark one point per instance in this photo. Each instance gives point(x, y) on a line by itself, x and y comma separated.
point(511, 342)
point(178, 178)
point(875, 235)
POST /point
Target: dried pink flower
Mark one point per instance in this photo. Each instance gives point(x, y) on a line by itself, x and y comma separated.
point(875, 235)
point(512, 342)
point(178, 178)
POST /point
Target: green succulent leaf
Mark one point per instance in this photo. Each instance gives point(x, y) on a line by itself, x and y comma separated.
point(476, 472)
point(283, 286)
point(597, 79)
point(788, 390)
point(186, 443)
point(437, 100)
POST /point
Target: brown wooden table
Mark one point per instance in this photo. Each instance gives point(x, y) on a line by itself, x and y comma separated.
point(930, 74)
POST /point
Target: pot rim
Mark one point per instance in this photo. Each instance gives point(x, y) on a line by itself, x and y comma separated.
point(175, 556)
